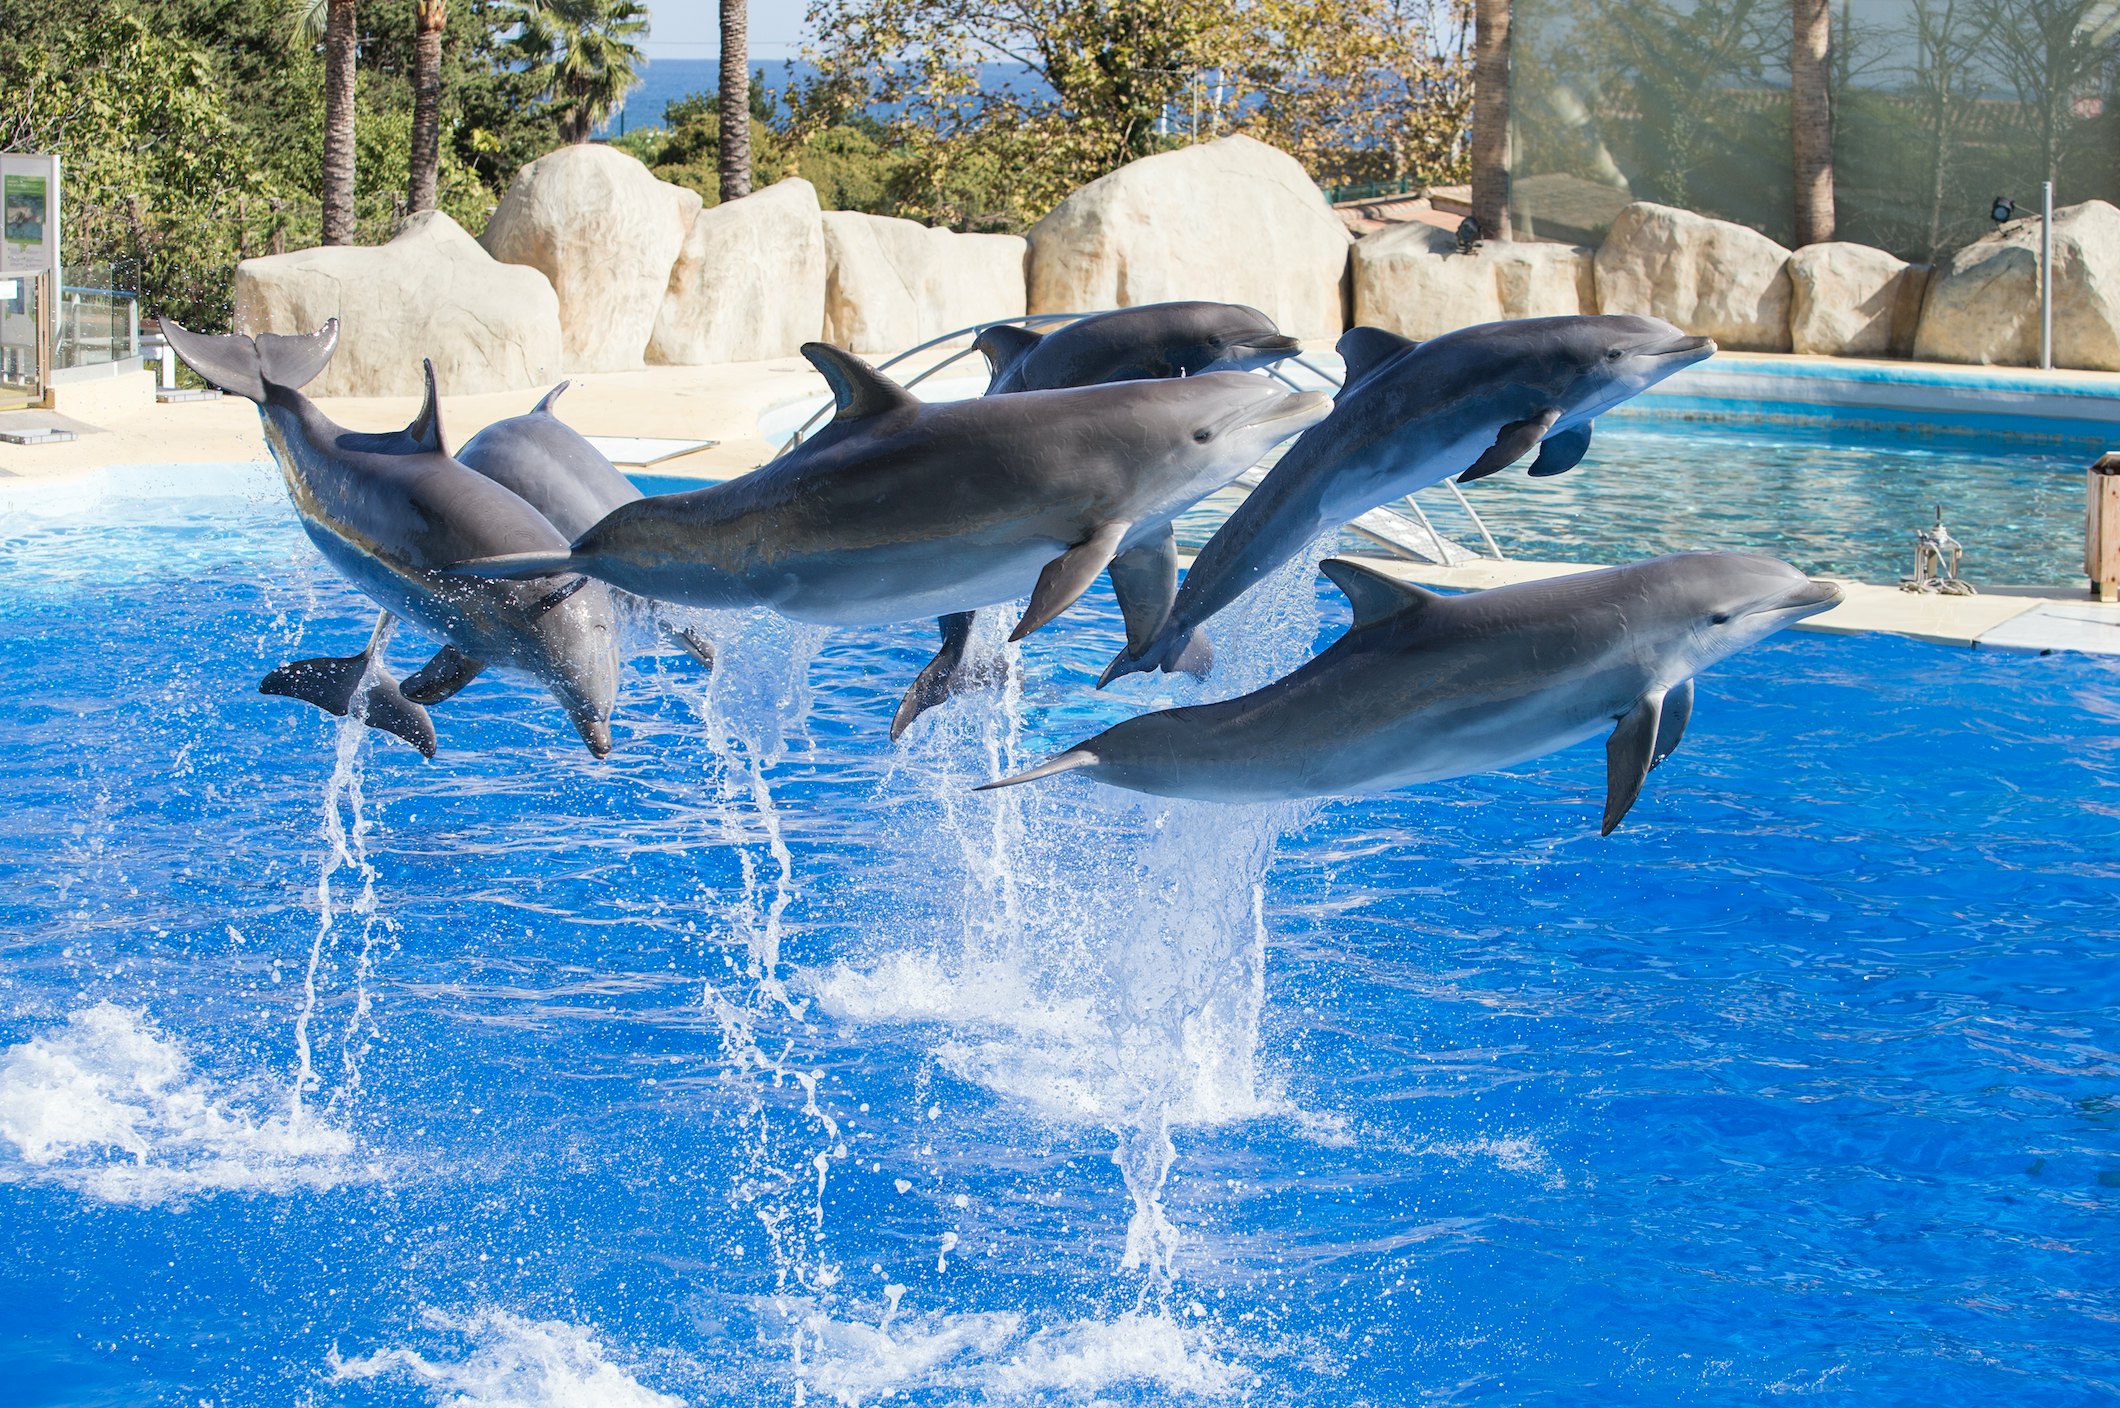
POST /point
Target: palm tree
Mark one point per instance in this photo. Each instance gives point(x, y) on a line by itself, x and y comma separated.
point(337, 24)
point(1490, 117)
point(1811, 118)
point(430, 18)
point(735, 101)
point(582, 57)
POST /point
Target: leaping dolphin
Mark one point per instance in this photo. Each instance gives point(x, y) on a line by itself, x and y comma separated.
point(1411, 414)
point(390, 511)
point(556, 470)
point(1425, 687)
point(1134, 344)
point(898, 509)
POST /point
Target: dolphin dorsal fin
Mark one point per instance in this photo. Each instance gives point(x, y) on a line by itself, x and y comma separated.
point(1366, 349)
point(1371, 593)
point(1006, 345)
point(243, 365)
point(544, 407)
point(425, 432)
point(860, 389)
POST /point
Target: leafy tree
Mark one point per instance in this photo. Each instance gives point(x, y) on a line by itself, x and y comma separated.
point(582, 57)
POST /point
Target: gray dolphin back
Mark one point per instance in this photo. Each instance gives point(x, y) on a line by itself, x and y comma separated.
point(244, 365)
point(551, 466)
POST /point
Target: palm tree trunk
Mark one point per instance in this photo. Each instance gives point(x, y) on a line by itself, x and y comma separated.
point(341, 42)
point(1490, 117)
point(1811, 118)
point(735, 100)
point(430, 18)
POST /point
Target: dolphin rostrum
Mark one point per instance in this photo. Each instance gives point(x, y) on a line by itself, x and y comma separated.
point(898, 509)
point(1134, 344)
point(1425, 687)
point(390, 511)
point(1411, 414)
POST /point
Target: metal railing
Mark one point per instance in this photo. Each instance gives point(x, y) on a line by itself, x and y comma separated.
point(1385, 526)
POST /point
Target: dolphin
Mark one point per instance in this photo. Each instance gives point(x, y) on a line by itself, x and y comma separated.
point(898, 509)
point(1425, 687)
point(552, 467)
point(390, 511)
point(1134, 344)
point(1411, 414)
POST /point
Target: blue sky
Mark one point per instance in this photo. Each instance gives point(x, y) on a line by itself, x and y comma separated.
point(690, 29)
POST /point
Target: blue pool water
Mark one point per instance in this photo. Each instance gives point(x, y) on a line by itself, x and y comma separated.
point(763, 1063)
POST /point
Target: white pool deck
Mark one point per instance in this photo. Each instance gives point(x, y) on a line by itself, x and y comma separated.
point(722, 405)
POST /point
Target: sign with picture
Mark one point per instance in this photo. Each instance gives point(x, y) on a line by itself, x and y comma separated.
point(29, 213)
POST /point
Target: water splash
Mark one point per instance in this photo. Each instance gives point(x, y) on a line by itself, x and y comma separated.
point(755, 703)
point(345, 826)
point(506, 1360)
point(1094, 955)
point(110, 1107)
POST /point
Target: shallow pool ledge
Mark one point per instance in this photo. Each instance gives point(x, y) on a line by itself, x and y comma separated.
point(2000, 618)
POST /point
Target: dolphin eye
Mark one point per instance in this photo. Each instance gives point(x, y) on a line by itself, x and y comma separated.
point(1720, 618)
point(1203, 435)
point(1615, 354)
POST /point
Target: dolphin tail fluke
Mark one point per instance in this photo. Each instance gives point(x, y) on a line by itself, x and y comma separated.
point(1177, 650)
point(515, 566)
point(243, 365)
point(342, 685)
point(1069, 761)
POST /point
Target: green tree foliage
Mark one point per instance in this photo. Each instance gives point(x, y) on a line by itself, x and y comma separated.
point(581, 57)
point(191, 131)
point(851, 163)
point(1355, 88)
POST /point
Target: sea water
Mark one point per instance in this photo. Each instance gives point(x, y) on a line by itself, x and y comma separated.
point(764, 1062)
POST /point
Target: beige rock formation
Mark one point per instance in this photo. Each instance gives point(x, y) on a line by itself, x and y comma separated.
point(1710, 277)
point(1234, 220)
point(606, 232)
point(748, 283)
point(1410, 279)
point(1983, 302)
point(432, 292)
point(893, 284)
point(1849, 300)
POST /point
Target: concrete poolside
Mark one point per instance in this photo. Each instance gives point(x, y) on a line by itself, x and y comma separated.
point(723, 404)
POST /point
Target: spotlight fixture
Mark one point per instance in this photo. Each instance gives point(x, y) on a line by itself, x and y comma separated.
point(2003, 210)
point(1468, 235)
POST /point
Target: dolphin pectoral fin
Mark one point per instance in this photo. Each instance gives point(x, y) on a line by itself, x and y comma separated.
point(1511, 443)
point(693, 643)
point(1373, 594)
point(1145, 579)
point(1072, 759)
point(1557, 454)
point(1629, 754)
point(440, 678)
point(344, 684)
point(243, 365)
point(1067, 576)
point(425, 432)
point(942, 676)
point(384, 707)
point(1004, 346)
point(859, 388)
point(1671, 727)
point(513, 566)
point(1365, 349)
